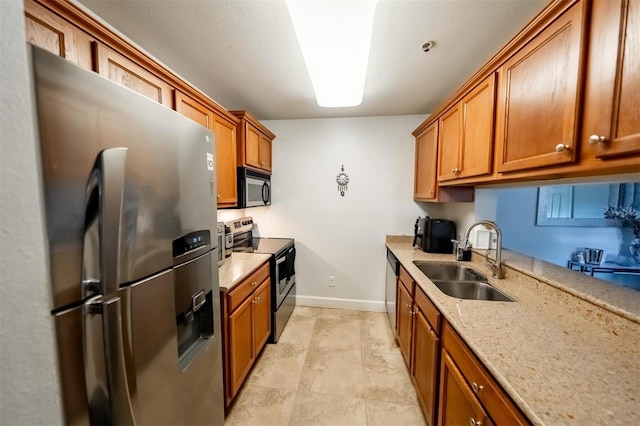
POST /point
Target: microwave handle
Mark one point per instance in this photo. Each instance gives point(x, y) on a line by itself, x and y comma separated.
point(266, 193)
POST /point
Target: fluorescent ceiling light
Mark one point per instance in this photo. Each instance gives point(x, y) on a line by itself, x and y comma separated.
point(335, 36)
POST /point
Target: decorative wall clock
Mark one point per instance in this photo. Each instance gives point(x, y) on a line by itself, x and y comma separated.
point(343, 180)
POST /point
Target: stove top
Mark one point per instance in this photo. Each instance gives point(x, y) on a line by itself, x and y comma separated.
point(266, 245)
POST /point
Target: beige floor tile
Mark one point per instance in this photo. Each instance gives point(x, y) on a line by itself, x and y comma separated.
point(298, 330)
point(387, 377)
point(331, 410)
point(306, 311)
point(333, 371)
point(339, 314)
point(280, 366)
point(376, 332)
point(384, 413)
point(336, 333)
point(261, 405)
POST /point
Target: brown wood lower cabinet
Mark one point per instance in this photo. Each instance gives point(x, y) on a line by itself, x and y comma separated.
point(426, 354)
point(452, 385)
point(418, 329)
point(246, 315)
point(458, 405)
point(467, 387)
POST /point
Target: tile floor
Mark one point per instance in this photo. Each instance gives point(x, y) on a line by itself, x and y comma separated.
point(330, 367)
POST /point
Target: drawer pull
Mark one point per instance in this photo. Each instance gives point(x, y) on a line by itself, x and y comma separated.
point(253, 284)
point(476, 387)
point(473, 422)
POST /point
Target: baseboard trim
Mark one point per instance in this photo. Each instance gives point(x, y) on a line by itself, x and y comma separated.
point(330, 302)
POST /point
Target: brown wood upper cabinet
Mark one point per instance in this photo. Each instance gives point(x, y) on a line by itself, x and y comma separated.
point(612, 91)
point(225, 143)
point(538, 96)
point(118, 68)
point(254, 143)
point(50, 32)
point(466, 138)
point(425, 186)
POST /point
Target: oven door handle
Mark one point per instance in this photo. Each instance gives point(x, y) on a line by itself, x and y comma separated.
point(281, 260)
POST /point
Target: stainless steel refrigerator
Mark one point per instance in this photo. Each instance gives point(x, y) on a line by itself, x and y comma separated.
point(130, 206)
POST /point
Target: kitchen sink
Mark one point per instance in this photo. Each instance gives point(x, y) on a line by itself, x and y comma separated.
point(449, 271)
point(474, 290)
point(461, 281)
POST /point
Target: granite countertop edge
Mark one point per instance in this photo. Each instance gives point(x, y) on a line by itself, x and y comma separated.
point(550, 343)
point(239, 266)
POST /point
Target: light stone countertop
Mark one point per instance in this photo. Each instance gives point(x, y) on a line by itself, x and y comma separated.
point(561, 358)
point(239, 266)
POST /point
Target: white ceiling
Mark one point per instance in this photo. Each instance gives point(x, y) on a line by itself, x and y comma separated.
point(244, 53)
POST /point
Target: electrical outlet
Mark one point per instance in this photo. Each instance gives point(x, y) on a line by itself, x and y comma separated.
point(332, 281)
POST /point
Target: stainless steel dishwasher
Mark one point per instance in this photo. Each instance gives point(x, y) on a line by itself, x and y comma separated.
point(393, 270)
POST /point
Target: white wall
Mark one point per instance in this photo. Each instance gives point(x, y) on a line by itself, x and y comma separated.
point(343, 236)
point(29, 390)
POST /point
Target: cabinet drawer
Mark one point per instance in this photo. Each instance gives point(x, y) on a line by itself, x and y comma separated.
point(407, 281)
point(246, 287)
point(430, 311)
point(497, 403)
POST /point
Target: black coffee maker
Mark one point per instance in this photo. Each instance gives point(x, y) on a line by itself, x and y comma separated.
point(434, 235)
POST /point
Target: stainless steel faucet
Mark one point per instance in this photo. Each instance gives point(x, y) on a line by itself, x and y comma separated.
point(494, 265)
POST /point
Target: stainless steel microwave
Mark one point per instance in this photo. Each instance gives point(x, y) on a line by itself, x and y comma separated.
point(254, 188)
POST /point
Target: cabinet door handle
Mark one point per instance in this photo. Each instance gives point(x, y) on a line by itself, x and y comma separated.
point(476, 387)
point(473, 422)
point(562, 147)
point(597, 139)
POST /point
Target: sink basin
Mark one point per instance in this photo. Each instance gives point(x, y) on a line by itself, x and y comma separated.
point(449, 271)
point(460, 281)
point(474, 290)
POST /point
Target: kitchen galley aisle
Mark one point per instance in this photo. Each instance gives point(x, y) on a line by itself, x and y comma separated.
point(330, 366)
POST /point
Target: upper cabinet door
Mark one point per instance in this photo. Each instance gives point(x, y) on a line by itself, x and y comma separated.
point(194, 110)
point(225, 132)
point(450, 126)
point(265, 153)
point(50, 32)
point(252, 146)
point(538, 102)
point(612, 94)
point(127, 73)
point(225, 146)
point(424, 184)
point(476, 144)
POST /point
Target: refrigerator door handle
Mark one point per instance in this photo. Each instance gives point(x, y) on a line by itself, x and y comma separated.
point(104, 360)
point(103, 217)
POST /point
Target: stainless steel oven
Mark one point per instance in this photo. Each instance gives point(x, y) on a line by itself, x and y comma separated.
point(283, 294)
